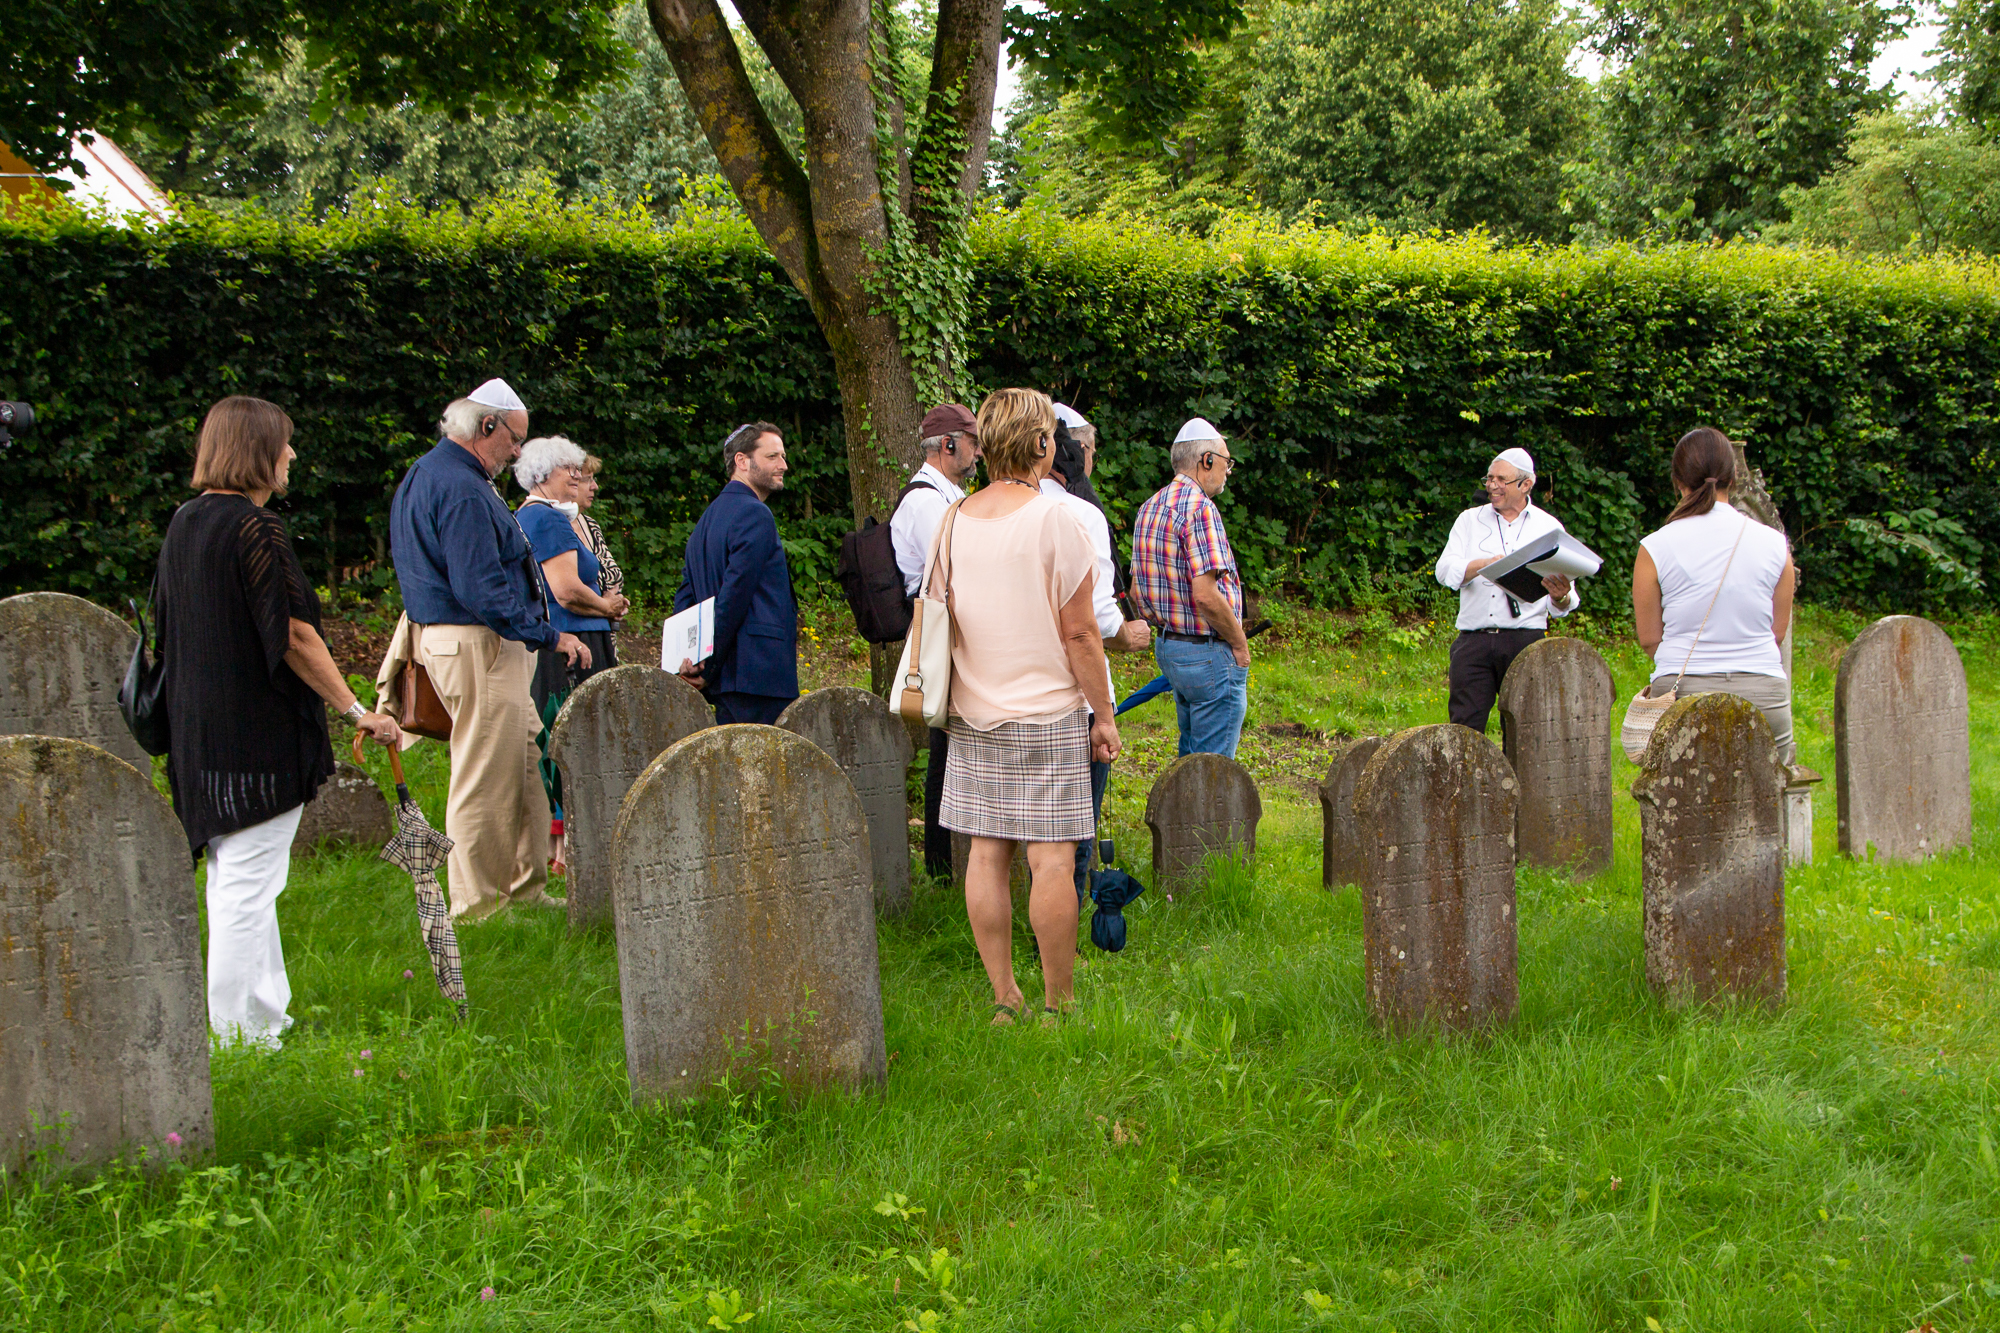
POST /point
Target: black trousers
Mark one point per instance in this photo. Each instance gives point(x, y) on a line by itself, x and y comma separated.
point(1479, 661)
point(937, 838)
point(764, 708)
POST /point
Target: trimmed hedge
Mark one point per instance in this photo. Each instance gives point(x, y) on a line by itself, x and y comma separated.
point(1365, 382)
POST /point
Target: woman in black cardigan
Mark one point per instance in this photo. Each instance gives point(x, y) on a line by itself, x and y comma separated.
point(246, 671)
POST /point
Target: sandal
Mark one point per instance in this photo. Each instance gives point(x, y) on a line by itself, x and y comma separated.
point(1005, 1015)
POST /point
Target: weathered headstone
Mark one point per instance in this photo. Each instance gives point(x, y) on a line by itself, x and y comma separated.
point(1436, 809)
point(1712, 849)
point(1901, 744)
point(349, 808)
point(1799, 784)
point(1555, 727)
point(61, 662)
point(746, 917)
point(609, 729)
point(1750, 496)
point(103, 1015)
point(1203, 805)
point(872, 746)
point(1340, 839)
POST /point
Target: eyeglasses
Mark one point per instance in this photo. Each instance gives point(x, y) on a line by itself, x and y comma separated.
point(1228, 463)
point(1491, 481)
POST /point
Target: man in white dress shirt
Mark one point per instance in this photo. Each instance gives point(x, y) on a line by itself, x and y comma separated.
point(1494, 625)
point(950, 437)
point(1074, 462)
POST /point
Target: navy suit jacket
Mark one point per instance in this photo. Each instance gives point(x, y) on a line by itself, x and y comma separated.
point(734, 556)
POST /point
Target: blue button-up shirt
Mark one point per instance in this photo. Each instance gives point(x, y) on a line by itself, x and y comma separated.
point(461, 557)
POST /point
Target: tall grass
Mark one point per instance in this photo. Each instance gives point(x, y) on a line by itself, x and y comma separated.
point(1217, 1140)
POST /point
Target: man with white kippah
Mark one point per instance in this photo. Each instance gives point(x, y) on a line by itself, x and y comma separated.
point(1184, 574)
point(1494, 625)
point(472, 592)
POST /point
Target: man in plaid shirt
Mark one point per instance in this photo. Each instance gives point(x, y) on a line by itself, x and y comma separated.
point(1185, 578)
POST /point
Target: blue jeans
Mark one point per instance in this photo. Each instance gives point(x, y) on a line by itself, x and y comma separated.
point(1211, 693)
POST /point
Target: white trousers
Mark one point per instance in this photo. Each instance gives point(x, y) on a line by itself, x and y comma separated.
point(247, 988)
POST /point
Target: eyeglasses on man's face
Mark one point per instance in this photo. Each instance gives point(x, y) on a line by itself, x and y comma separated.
point(1492, 482)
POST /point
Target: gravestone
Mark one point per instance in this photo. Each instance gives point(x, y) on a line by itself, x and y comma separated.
point(1555, 727)
point(103, 1010)
point(609, 729)
point(1712, 849)
point(1901, 745)
point(1436, 808)
point(872, 746)
point(1340, 839)
point(1799, 784)
point(1750, 497)
point(349, 808)
point(746, 918)
point(1203, 805)
point(62, 660)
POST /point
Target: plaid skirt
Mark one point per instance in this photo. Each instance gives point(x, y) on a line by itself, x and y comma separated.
point(1029, 782)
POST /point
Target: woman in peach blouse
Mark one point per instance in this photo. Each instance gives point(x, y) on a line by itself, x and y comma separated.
point(1028, 674)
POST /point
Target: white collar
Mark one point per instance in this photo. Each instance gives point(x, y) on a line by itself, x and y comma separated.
point(567, 508)
point(952, 490)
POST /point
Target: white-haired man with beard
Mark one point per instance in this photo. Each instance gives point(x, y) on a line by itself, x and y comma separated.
point(1493, 624)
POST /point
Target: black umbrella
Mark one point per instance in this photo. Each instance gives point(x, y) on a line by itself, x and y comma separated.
point(1110, 889)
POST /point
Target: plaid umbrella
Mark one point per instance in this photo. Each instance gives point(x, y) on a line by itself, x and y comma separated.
point(421, 849)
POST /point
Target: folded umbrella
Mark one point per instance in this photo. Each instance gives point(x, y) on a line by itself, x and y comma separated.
point(420, 849)
point(1146, 693)
point(1110, 889)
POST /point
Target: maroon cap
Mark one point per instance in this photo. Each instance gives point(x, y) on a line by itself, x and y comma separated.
point(948, 419)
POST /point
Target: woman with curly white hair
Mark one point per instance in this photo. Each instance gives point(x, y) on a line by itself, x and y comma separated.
point(550, 469)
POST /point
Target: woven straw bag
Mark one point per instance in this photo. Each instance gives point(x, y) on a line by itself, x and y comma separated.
point(1635, 733)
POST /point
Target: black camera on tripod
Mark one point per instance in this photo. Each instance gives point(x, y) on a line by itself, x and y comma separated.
point(15, 419)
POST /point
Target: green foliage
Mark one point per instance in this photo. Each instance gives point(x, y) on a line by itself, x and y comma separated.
point(1969, 59)
point(1909, 183)
point(635, 140)
point(1365, 381)
point(1710, 112)
point(1420, 113)
point(1136, 58)
point(164, 66)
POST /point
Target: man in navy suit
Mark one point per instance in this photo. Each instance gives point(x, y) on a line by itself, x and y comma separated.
point(734, 556)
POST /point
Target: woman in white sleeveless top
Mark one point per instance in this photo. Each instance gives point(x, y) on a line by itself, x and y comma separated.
point(1712, 591)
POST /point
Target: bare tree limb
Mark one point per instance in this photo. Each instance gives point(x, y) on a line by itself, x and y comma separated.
point(768, 180)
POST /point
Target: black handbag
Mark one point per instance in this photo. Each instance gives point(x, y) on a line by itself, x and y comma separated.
point(143, 696)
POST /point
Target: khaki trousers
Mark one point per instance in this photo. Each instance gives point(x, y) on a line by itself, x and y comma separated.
point(1771, 694)
point(497, 815)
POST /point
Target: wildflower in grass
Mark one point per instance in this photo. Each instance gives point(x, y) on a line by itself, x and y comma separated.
point(367, 1055)
point(408, 975)
point(173, 1139)
point(357, 1073)
point(487, 1293)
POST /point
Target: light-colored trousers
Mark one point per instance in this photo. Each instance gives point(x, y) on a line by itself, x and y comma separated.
point(248, 991)
point(1771, 694)
point(497, 814)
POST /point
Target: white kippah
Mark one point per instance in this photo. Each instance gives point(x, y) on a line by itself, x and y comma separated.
point(1517, 459)
point(497, 393)
point(1069, 416)
point(1197, 429)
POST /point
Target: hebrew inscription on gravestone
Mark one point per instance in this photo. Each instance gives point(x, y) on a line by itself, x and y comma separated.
point(1902, 742)
point(1555, 726)
point(1712, 846)
point(746, 918)
point(872, 746)
point(61, 662)
point(1340, 838)
point(1203, 805)
point(103, 1011)
point(609, 729)
point(1436, 810)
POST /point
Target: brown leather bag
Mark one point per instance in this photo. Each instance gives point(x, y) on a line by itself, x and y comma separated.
point(421, 712)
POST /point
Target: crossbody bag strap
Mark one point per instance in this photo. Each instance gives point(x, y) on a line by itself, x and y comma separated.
point(1713, 598)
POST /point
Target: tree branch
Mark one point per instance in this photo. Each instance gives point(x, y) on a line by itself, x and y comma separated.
point(768, 180)
point(967, 62)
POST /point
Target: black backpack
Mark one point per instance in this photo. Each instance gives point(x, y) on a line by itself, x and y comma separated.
point(874, 585)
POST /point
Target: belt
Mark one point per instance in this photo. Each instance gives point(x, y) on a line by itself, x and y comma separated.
point(1506, 629)
point(1187, 638)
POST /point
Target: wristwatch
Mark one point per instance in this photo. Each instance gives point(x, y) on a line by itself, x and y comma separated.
point(355, 712)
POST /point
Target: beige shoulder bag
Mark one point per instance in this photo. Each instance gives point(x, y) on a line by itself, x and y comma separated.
point(925, 671)
point(1643, 714)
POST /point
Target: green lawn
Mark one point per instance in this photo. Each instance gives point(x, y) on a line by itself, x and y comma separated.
point(1219, 1140)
